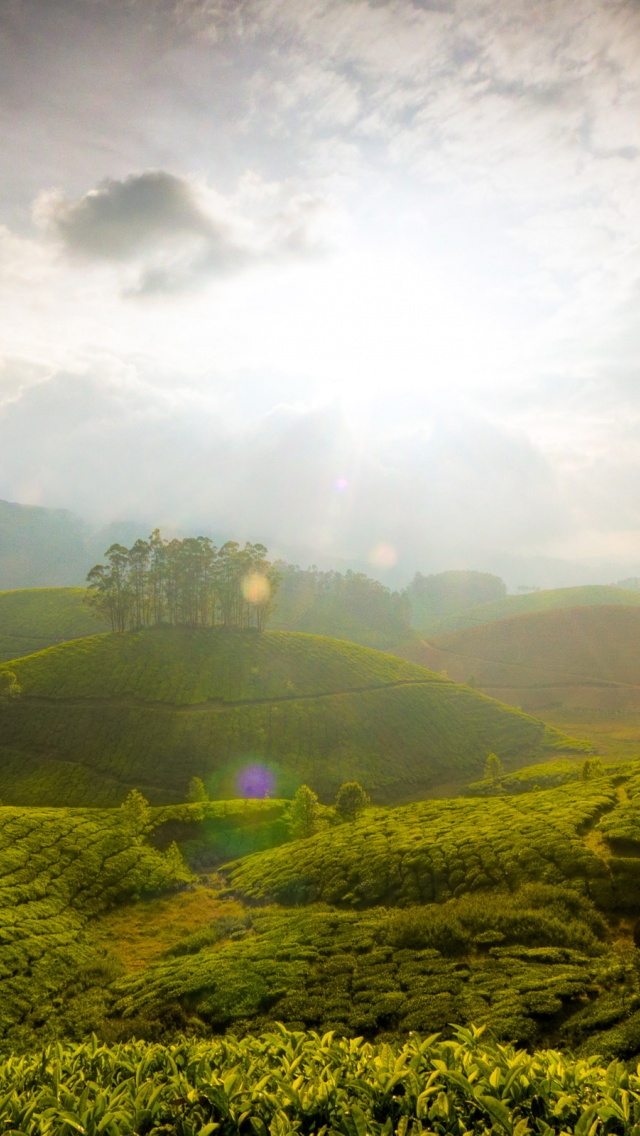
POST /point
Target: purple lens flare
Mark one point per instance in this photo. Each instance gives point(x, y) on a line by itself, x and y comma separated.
point(255, 781)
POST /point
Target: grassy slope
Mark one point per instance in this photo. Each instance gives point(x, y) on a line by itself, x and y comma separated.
point(155, 708)
point(587, 595)
point(32, 619)
point(583, 656)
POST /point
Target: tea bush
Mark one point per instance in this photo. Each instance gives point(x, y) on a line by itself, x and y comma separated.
point(437, 849)
point(286, 1082)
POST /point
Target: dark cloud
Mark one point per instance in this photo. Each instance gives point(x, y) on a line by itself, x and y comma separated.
point(121, 219)
point(163, 225)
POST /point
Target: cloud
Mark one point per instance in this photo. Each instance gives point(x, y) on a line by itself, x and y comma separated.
point(176, 232)
point(121, 219)
point(110, 444)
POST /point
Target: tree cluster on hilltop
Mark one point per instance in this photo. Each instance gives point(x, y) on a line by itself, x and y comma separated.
point(349, 605)
point(188, 582)
point(437, 596)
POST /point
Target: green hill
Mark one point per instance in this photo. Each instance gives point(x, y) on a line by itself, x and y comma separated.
point(587, 595)
point(585, 657)
point(32, 619)
point(436, 850)
point(250, 713)
point(513, 913)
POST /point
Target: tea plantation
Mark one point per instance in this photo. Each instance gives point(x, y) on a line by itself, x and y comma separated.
point(286, 1082)
point(154, 708)
point(193, 969)
point(434, 850)
point(32, 619)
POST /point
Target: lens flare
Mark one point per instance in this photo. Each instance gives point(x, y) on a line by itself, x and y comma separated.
point(255, 781)
point(342, 484)
point(383, 556)
point(256, 589)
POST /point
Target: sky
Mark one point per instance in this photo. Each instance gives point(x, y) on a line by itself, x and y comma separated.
point(356, 278)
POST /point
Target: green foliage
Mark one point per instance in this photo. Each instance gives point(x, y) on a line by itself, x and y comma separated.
point(157, 707)
point(9, 686)
point(592, 767)
point(187, 582)
point(58, 869)
point(530, 778)
point(32, 619)
point(434, 850)
point(351, 799)
point(434, 598)
point(378, 971)
point(304, 816)
point(346, 605)
point(196, 790)
point(136, 811)
point(493, 768)
point(212, 832)
point(298, 1082)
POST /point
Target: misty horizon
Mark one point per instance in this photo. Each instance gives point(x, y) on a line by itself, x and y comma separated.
point(355, 276)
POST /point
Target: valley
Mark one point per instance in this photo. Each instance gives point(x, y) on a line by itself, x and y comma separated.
point(452, 902)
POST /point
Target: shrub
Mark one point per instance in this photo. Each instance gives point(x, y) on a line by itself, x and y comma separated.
point(304, 815)
point(351, 800)
point(9, 686)
point(136, 811)
point(196, 791)
point(493, 769)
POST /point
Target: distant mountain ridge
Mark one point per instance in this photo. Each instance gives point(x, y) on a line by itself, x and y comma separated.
point(52, 547)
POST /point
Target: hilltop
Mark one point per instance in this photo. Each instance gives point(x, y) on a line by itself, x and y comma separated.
point(587, 595)
point(585, 657)
point(153, 708)
point(32, 619)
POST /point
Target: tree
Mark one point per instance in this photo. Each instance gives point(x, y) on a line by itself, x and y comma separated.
point(196, 791)
point(351, 800)
point(591, 767)
point(304, 815)
point(9, 686)
point(493, 769)
point(137, 813)
point(186, 582)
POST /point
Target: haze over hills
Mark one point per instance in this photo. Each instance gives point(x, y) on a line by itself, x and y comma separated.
point(154, 708)
point(536, 601)
point(582, 657)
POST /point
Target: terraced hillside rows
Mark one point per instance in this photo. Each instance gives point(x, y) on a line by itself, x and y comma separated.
point(460, 929)
point(433, 851)
point(250, 713)
point(32, 619)
point(585, 657)
point(60, 869)
point(57, 869)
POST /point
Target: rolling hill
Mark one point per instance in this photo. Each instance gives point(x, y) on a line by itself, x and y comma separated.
point(513, 913)
point(32, 619)
point(588, 595)
point(584, 657)
point(250, 713)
